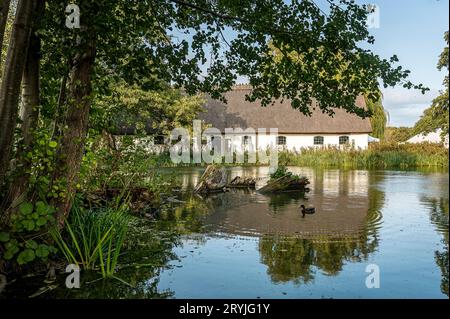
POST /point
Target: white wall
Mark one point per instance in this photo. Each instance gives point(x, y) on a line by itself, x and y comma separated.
point(433, 137)
point(297, 141)
point(294, 142)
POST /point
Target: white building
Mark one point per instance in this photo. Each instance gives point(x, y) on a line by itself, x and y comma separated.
point(432, 137)
point(295, 130)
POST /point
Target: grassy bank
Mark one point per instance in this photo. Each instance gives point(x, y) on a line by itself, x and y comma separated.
point(382, 155)
point(379, 155)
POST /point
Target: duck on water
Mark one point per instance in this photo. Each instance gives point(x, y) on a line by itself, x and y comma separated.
point(307, 210)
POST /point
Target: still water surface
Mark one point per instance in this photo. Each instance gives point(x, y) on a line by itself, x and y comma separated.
point(242, 244)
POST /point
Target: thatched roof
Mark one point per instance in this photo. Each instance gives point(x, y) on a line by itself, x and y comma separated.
point(244, 114)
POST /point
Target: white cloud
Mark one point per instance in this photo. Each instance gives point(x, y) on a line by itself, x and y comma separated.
point(406, 106)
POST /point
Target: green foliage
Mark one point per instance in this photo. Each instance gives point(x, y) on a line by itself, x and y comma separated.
point(398, 134)
point(30, 220)
point(151, 52)
point(32, 217)
point(4, 237)
point(430, 121)
point(25, 240)
point(128, 164)
point(378, 118)
point(27, 251)
point(280, 172)
point(283, 171)
point(140, 59)
point(42, 158)
point(380, 155)
point(133, 110)
point(94, 238)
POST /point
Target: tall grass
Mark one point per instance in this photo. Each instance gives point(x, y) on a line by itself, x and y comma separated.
point(377, 155)
point(382, 155)
point(93, 239)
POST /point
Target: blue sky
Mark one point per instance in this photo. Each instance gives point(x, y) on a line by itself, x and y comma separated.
point(412, 29)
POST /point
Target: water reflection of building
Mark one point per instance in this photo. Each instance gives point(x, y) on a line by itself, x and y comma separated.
point(341, 200)
point(343, 229)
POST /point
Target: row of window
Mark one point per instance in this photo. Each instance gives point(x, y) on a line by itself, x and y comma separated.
point(318, 140)
point(281, 140)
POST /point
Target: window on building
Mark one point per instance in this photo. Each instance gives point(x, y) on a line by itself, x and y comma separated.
point(247, 140)
point(281, 140)
point(343, 140)
point(318, 140)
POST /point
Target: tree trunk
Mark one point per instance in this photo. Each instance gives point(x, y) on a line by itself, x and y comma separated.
point(30, 90)
point(71, 148)
point(4, 10)
point(12, 77)
point(59, 112)
point(29, 113)
point(213, 179)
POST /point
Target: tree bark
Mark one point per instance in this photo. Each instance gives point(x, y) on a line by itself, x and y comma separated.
point(71, 148)
point(29, 112)
point(31, 90)
point(4, 10)
point(59, 112)
point(11, 79)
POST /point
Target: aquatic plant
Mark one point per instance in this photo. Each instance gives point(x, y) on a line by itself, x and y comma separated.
point(280, 172)
point(94, 238)
point(381, 155)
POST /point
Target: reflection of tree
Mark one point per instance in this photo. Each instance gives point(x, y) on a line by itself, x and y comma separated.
point(441, 258)
point(287, 258)
point(439, 215)
point(294, 259)
point(185, 217)
point(376, 199)
point(278, 201)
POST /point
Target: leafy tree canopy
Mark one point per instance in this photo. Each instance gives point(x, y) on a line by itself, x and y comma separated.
point(138, 40)
point(133, 110)
point(378, 118)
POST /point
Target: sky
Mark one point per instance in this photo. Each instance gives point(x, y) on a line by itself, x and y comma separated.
point(413, 30)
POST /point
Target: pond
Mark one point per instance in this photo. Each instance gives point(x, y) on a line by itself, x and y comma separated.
point(255, 246)
point(242, 244)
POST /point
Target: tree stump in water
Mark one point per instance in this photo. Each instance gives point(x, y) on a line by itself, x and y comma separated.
point(242, 182)
point(212, 180)
point(286, 183)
